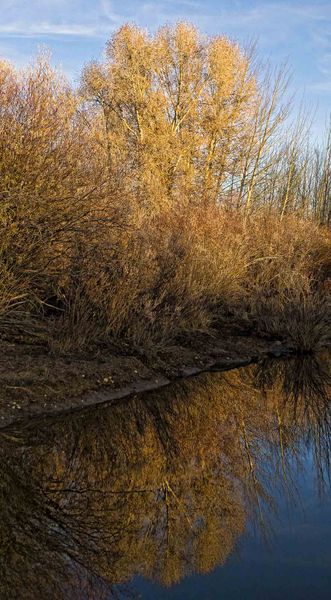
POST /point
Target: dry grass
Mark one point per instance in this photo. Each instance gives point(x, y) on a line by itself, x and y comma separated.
point(288, 280)
point(175, 276)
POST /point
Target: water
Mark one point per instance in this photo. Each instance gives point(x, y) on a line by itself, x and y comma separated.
point(217, 487)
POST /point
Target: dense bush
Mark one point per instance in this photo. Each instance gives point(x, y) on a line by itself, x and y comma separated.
point(133, 209)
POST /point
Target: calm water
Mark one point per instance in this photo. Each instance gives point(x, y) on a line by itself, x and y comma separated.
point(215, 488)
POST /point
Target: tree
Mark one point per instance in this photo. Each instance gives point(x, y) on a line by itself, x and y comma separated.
point(177, 109)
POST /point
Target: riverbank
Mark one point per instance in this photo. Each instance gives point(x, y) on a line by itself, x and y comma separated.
point(125, 235)
point(35, 383)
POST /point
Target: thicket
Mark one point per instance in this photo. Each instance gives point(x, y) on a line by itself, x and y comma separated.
point(169, 194)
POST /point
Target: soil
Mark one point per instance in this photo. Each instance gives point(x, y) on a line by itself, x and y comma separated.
point(33, 382)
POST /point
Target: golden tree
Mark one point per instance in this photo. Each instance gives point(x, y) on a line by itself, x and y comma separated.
point(177, 108)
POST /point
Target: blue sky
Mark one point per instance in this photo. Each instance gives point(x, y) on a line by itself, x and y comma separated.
point(76, 32)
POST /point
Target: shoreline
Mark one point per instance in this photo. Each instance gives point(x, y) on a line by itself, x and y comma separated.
point(35, 384)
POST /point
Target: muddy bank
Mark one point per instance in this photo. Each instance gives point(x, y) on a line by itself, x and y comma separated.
point(34, 383)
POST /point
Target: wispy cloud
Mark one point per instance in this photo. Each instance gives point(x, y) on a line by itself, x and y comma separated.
point(47, 29)
point(81, 18)
point(324, 64)
point(57, 17)
point(320, 87)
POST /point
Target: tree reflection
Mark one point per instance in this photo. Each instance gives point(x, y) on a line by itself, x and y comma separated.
point(160, 485)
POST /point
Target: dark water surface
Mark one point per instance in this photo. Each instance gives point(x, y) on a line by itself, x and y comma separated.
point(215, 488)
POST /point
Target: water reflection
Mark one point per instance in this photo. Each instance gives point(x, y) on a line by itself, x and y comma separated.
point(161, 485)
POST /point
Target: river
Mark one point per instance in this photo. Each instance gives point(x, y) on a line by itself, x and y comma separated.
point(217, 487)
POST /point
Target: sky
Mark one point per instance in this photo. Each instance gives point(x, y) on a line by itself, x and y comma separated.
point(76, 32)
